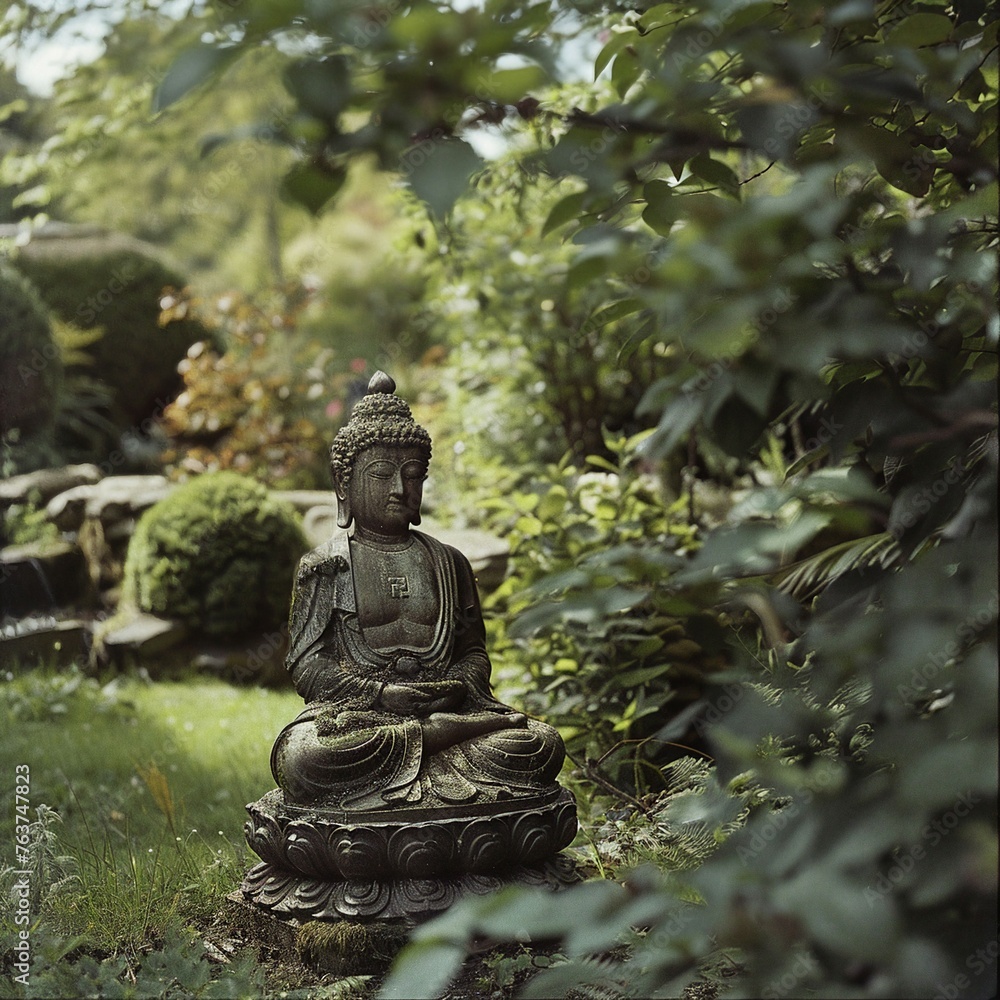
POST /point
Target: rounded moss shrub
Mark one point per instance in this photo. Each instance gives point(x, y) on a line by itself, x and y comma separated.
point(30, 367)
point(114, 282)
point(219, 554)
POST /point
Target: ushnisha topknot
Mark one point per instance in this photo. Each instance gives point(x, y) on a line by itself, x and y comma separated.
point(379, 417)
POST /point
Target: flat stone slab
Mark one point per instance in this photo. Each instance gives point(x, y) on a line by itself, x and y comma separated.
point(63, 642)
point(319, 523)
point(338, 948)
point(145, 635)
point(40, 577)
point(43, 485)
point(108, 501)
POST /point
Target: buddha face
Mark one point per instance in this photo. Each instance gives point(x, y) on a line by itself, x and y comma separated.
point(386, 488)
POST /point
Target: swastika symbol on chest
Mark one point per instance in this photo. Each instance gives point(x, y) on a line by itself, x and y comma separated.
point(399, 586)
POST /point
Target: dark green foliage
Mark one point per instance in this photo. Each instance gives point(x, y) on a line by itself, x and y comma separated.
point(116, 283)
point(31, 369)
point(178, 968)
point(218, 554)
point(610, 667)
point(542, 368)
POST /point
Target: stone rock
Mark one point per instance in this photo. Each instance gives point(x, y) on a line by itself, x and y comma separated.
point(487, 553)
point(320, 523)
point(143, 635)
point(258, 660)
point(108, 501)
point(63, 642)
point(41, 578)
point(43, 485)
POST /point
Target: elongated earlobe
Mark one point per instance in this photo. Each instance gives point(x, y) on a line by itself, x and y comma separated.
point(344, 515)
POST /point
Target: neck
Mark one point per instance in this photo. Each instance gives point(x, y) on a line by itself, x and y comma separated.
point(389, 541)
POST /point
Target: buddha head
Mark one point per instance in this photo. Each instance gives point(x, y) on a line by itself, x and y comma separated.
point(379, 461)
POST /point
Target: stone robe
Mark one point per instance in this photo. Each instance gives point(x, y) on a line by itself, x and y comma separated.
point(345, 751)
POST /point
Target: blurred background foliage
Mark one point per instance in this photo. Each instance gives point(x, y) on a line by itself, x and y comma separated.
point(699, 303)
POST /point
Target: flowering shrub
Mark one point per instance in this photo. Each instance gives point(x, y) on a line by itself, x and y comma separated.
point(265, 406)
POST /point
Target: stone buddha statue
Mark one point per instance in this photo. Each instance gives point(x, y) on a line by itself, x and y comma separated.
point(403, 765)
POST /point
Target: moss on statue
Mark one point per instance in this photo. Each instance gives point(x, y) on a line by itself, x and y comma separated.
point(349, 949)
point(218, 554)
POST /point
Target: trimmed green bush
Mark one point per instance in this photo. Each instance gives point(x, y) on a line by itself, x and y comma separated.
point(114, 282)
point(219, 554)
point(31, 369)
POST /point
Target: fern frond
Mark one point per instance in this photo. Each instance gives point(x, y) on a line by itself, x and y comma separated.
point(805, 578)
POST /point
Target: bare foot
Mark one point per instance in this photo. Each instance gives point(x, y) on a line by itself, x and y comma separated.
point(445, 729)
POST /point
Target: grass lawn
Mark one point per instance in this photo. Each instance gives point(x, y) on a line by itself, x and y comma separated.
point(149, 782)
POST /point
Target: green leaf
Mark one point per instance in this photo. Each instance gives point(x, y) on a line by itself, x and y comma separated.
point(439, 172)
point(322, 87)
point(641, 675)
point(839, 913)
point(507, 86)
point(192, 67)
point(619, 39)
point(921, 29)
point(663, 207)
point(715, 172)
point(311, 186)
point(617, 310)
point(564, 210)
point(625, 71)
point(423, 970)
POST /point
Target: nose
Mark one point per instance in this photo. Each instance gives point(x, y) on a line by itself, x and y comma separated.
point(396, 487)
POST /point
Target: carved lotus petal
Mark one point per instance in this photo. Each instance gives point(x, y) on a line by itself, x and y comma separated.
point(359, 853)
point(532, 837)
point(484, 846)
point(305, 850)
point(264, 837)
point(422, 851)
point(427, 894)
point(361, 899)
point(565, 826)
